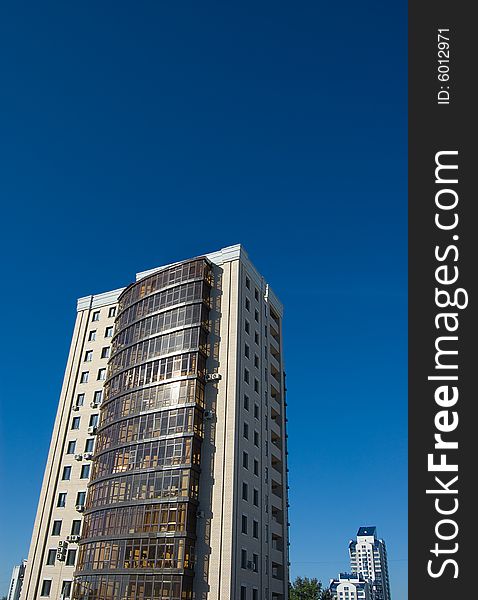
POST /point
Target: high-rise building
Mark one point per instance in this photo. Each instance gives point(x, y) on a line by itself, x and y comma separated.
point(368, 557)
point(350, 586)
point(16, 581)
point(167, 475)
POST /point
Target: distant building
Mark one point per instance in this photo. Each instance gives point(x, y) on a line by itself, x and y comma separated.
point(368, 557)
point(350, 586)
point(16, 581)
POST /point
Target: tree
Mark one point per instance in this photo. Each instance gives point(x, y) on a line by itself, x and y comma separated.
point(304, 588)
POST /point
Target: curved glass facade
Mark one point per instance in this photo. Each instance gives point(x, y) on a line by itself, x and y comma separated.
point(140, 521)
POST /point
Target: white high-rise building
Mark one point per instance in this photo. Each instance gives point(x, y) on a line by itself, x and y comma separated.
point(368, 557)
point(167, 471)
point(16, 581)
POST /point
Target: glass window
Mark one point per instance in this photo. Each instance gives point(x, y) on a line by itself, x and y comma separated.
point(75, 423)
point(246, 375)
point(112, 311)
point(80, 498)
point(244, 524)
point(256, 411)
point(247, 326)
point(255, 529)
point(51, 556)
point(101, 374)
point(256, 385)
point(246, 402)
point(256, 497)
point(245, 491)
point(256, 338)
point(98, 397)
point(109, 332)
point(248, 304)
point(66, 473)
point(92, 335)
point(80, 399)
point(71, 447)
point(248, 283)
point(256, 315)
point(84, 377)
point(243, 558)
point(94, 420)
point(66, 589)
point(96, 316)
point(256, 294)
point(61, 500)
point(85, 472)
point(89, 445)
point(45, 587)
point(105, 352)
point(256, 438)
point(245, 460)
point(245, 432)
point(256, 467)
point(246, 350)
point(56, 529)
point(88, 355)
point(75, 527)
point(70, 557)
point(243, 592)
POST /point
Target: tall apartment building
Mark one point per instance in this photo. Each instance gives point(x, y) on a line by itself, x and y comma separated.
point(16, 581)
point(368, 557)
point(167, 475)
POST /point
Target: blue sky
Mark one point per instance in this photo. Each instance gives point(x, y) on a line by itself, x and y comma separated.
point(136, 134)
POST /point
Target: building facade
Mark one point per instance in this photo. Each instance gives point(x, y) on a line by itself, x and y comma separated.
point(16, 581)
point(368, 557)
point(350, 586)
point(167, 471)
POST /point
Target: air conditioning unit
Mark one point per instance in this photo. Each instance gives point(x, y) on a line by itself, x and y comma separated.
point(200, 514)
point(94, 404)
point(250, 565)
point(62, 544)
point(73, 538)
point(60, 556)
point(88, 455)
point(208, 415)
point(92, 429)
point(80, 507)
point(78, 456)
point(76, 407)
point(213, 377)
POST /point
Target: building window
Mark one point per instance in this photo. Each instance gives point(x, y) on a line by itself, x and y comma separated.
point(98, 397)
point(243, 592)
point(66, 476)
point(70, 558)
point(88, 355)
point(246, 375)
point(51, 556)
point(248, 283)
point(244, 558)
point(256, 294)
point(75, 423)
point(89, 445)
point(80, 399)
point(84, 377)
point(256, 315)
point(256, 361)
point(94, 420)
point(256, 411)
point(245, 491)
point(105, 352)
point(255, 594)
point(256, 467)
point(45, 587)
point(256, 338)
point(92, 335)
point(244, 524)
point(255, 560)
point(256, 438)
point(61, 503)
point(80, 498)
point(101, 374)
point(56, 529)
point(246, 350)
point(246, 402)
point(85, 472)
point(247, 326)
point(71, 447)
point(245, 460)
point(256, 385)
point(245, 431)
point(248, 304)
point(256, 497)
point(75, 527)
point(66, 589)
point(109, 332)
point(112, 312)
point(96, 316)
point(255, 529)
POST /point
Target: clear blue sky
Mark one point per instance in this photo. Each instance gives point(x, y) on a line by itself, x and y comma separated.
point(133, 134)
